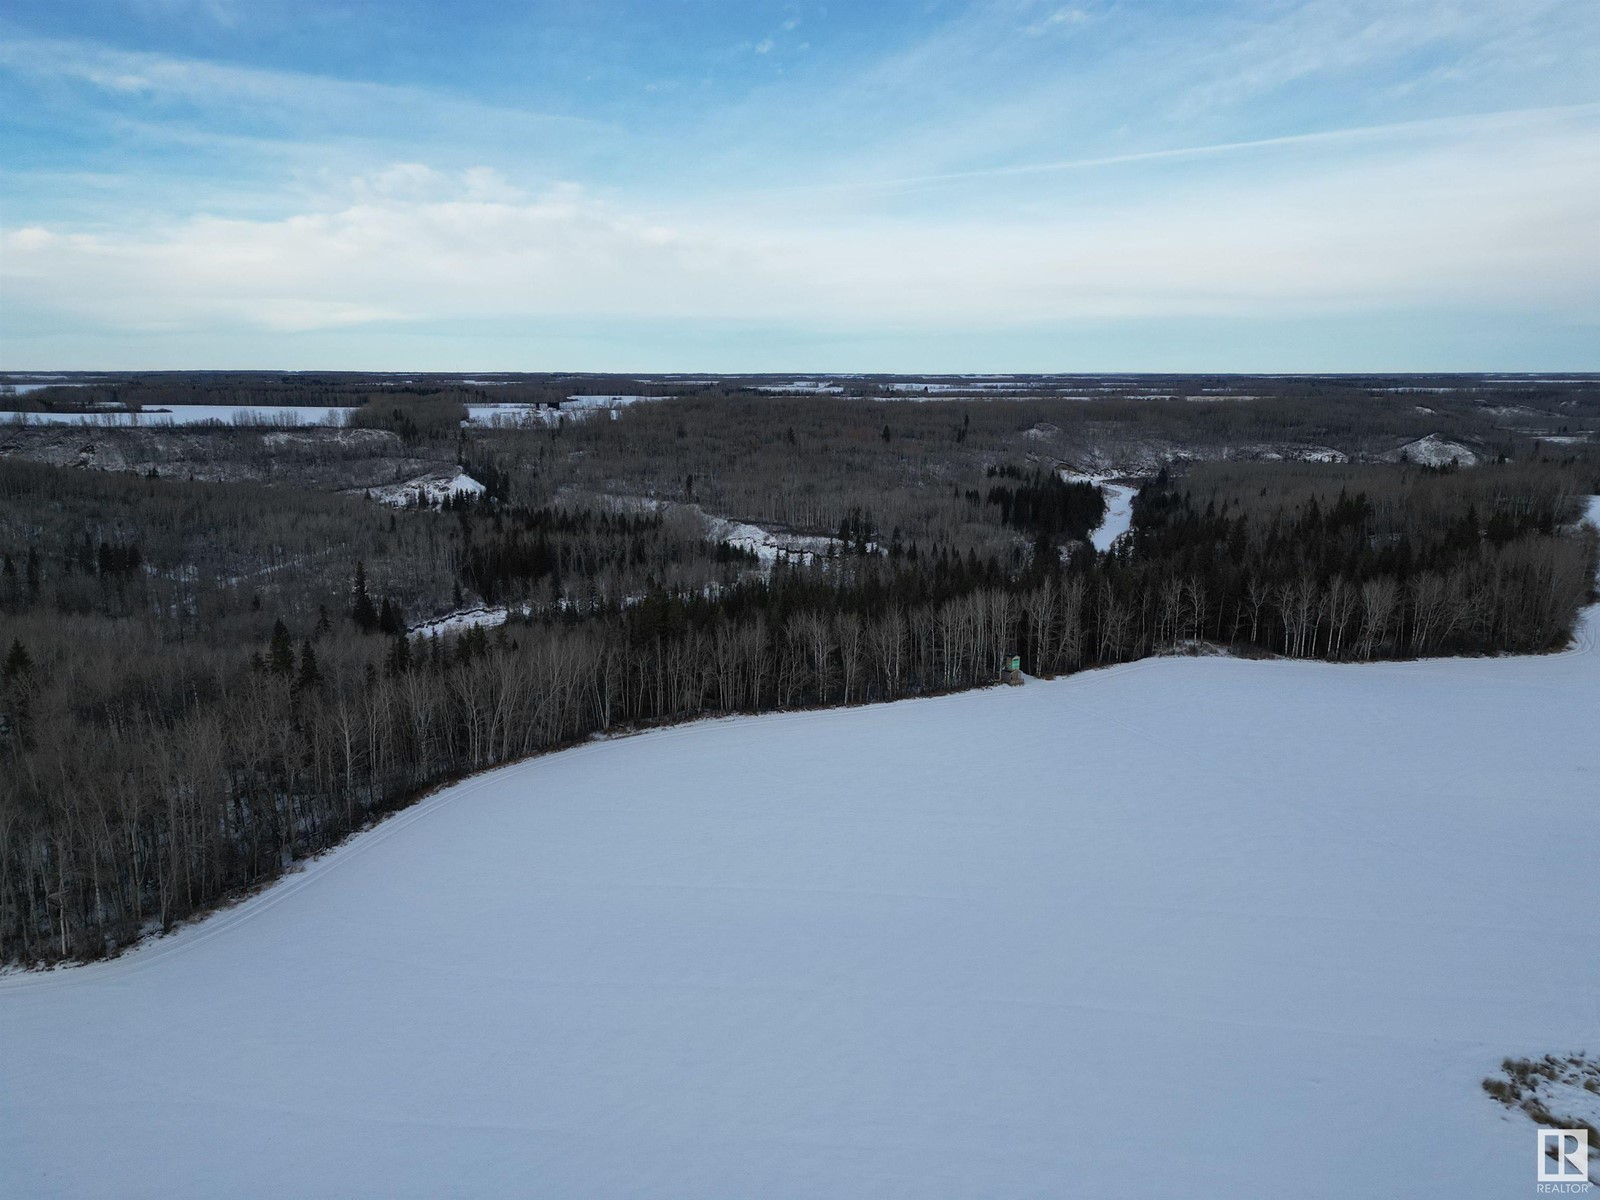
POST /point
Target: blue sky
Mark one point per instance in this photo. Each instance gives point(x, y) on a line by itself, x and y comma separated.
point(1007, 186)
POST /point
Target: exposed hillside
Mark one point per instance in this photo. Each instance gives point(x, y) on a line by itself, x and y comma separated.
point(323, 458)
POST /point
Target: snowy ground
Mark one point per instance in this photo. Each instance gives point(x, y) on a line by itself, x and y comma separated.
point(802, 387)
point(1189, 927)
point(769, 547)
point(425, 490)
point(512, 413)
point(1119, 508)
point(188, 414)
point(574, 408)
point(1119, 514)
point(587, 402)
point(22, 389)
point(459, 622)
point(1434, 451)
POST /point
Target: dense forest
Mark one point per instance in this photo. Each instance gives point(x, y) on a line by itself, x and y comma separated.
point(204, 682)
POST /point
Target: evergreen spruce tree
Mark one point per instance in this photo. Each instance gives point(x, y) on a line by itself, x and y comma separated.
point(362, 611)
point(1046, 557)
point(18, 665)
point(15, 700)
point(472, 644)
point(280, 651)
point(389, 620)
point(310, 676)
point(400, 657)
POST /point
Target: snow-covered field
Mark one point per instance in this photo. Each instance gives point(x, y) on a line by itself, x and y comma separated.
point(1192, 927)
point(512, 413)
point(188, 414)
point(23, 389)
point(573, 408)
point(803, 387)
point(586, 401)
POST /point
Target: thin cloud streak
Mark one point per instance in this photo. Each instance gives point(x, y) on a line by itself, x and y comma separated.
point(128, 75)
point(1355, 135)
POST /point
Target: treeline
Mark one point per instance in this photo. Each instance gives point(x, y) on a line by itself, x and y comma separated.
point(194, 781)
point(172, 734)
point(806, 462)
point(155, 805)
point(1046, 505)
point(1413, 563)
point(427, 417)
point(270, 390)
point(220, 563)
point(206, 563)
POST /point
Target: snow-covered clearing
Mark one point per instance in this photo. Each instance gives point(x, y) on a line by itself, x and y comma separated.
point(1193, 927)
point(582, 402)
point(512, 413)
point(1310, 454)
point(1437, 390)
point(766, 545)
point(1119, 514)
point(1006, 385)
point(573, 408)
point(802, 387)
point(189, 414)
point(1433, 451)
point(22, 389)
point(1119, 508)
point(425, 490)
point(1019, 390)
point(459, 622)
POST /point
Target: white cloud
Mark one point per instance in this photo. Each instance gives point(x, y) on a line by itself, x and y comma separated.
point(221, 12)
point(765, 45)
point(1495, 223)
point(1060, 18)
point(218, 88)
